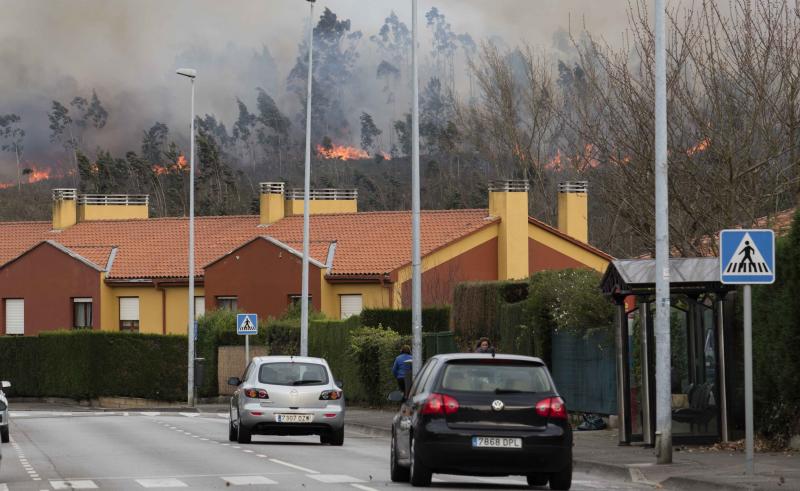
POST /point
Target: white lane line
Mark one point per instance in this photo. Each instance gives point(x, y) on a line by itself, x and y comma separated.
point(261, 455)
point(204, 439)
point(363, 488)
point(189, 415)
point(162, 483)
point(247, 480)
point(234, 446)
point(247, 451)
point(82, 484)
point(287, 464)
point(334, 478)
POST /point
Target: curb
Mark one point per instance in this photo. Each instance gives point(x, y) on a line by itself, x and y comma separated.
point(369, 429)
point(690, 484)
point(614, 471)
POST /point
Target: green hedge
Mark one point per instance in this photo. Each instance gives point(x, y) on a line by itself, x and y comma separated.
point(330, 339)
point(373, 351)
point(88, 364)
point(434, 319)
point(283, 337)
point(476, 308)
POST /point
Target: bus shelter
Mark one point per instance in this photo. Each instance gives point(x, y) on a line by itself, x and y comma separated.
point(701, 322)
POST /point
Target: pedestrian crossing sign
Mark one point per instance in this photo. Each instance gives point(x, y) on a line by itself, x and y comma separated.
point(246, 324)
point(747, 257)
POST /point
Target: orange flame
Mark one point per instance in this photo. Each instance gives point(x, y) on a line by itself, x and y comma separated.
point(6, 185)
point(38, 174)
point(555, 162)
point(179, 166)
point(340, 152)
point(385, 155)
point(701, 146)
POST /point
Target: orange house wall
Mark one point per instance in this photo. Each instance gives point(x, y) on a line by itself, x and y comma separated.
point(541, 258)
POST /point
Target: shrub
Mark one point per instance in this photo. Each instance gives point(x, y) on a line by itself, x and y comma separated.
point(331, 340)
point(476, 307)
point(283, 337)
point(434, 319)
point(373, 349)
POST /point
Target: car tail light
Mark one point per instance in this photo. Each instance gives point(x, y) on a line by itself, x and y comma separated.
point(330, 395)
point(256, 393)
point(552, 407)
point(440, 404)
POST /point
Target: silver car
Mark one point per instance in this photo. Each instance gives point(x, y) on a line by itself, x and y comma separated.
point(4, 421)
point(287, 395)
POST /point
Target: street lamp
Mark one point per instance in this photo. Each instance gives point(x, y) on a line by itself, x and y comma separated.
point(416, 261)
point(191, 74)
point(306, 186)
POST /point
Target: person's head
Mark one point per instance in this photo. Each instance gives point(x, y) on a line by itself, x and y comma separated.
point(406, 349)
point(483, 343)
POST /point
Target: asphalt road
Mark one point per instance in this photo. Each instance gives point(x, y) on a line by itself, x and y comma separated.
point(90, 450)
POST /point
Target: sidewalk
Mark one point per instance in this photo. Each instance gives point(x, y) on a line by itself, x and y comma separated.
point(693, 467)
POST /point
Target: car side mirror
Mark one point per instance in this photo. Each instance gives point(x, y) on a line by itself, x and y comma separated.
point(396, 396)
point(339, 383)
point(234, 381)
point(6, 384)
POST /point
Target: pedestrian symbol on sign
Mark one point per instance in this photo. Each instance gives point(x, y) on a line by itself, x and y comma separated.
point(246, 324)
point(747, 256)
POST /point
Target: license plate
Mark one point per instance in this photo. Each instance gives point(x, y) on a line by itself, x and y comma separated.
point(292, 418)
point(496, 442)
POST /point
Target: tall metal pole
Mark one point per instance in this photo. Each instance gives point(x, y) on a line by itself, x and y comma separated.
point(748, 380)
point(191, 329)
point(416, 262)
point(306, 191)
point(662, 327)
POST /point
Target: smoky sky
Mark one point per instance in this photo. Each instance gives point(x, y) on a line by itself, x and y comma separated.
point(128, 50)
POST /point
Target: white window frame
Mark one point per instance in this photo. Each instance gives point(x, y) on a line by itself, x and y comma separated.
point(227, 298)
point(199, 307)
point(91, 310)
point(15, 325)
point(125, 317)
point(349, 310)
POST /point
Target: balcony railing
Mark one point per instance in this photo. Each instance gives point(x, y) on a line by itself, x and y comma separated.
point(323, 194)
point(63, 194)
point(113, 199)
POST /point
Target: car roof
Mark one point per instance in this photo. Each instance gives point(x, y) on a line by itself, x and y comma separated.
point(295, 359)
point(483, 356)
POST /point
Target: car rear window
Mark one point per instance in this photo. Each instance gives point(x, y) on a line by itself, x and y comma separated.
point(290, 373)
point(497, 376)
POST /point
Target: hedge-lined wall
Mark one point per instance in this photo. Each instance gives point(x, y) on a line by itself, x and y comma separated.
point(476, 308)
point(434, 319)
point(88, 364)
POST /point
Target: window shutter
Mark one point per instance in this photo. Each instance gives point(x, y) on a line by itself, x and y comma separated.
point(350, 305)
point(129, 309)
point(199, 307)
point(15, 316)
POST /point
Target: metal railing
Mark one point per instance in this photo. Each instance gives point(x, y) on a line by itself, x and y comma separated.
point(113, 199)
point(271, 187)
point(323, 194)
point(573, 186)
point(63, 194)
point(509, 185)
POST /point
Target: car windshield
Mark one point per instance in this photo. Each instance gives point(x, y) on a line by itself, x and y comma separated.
point(290, 373)
point(495, 377)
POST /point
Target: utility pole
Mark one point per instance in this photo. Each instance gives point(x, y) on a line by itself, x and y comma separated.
point(306, 191)
point(416, 261)
point(662, 324)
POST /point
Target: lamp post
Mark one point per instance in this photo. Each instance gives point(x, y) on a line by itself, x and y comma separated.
point(306, 190)
point(191, 74)
point(416, 261)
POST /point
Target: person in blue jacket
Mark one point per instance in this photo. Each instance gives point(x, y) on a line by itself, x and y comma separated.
point(400, 367)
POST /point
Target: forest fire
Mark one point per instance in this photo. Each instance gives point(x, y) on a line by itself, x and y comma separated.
point(179, 166)
point(37, 174)
point(341, 152)
point(701, 146)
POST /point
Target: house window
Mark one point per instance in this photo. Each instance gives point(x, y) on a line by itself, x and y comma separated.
point(15, 316)
point(350, 305)
point(199, 307)
point(294, 300)
point(82, 313)
point(129, 314)
point(228, 303)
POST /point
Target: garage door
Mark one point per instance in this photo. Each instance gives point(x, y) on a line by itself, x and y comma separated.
point(15, 316)
point(350, 305)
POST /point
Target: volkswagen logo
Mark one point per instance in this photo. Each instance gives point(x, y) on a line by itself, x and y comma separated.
point(497, 405)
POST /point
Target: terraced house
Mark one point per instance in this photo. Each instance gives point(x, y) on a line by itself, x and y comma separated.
point(101, 263)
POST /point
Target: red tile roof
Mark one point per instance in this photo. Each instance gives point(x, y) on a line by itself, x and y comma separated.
point(367, 243)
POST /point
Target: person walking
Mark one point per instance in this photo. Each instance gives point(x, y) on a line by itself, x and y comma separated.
point(483, 346)
point(401, 367)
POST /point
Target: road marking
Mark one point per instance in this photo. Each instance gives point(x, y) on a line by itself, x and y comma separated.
point(287, 464)
point(3, 487)
point(247, 451)
point(363, 488)
point(261, 455)
point(247, 480)
point(204, 439)
point(334, 478)
point(83, 484)
point(234, 446)
point(189, 415)
point(151, 413)
point(161, 483)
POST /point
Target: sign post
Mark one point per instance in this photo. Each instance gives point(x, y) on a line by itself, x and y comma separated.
point(747, 257)
point(246, 324)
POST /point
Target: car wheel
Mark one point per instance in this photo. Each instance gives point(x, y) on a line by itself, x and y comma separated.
point(336, 437)
point(419, 475)
point(4, 434)
point(232, 436)
point(397, 473)
point(243, 433)
point(562, 480)
point(537, 479)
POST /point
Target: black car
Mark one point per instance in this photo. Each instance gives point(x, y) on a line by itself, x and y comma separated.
point(485, 415)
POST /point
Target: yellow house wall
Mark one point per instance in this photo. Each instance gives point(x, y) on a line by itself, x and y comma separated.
point(567, 248)
point(178, 308)
point(512, 243)
point(272, 208)
point(150, 307)
point(443, 255)
point(573, 215)
point(111, 212)
point(64, 214)
point(373, 295)
point(322, 206)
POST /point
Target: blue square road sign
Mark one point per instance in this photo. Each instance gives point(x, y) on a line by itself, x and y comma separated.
point(246, 324)
point(747, 257)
